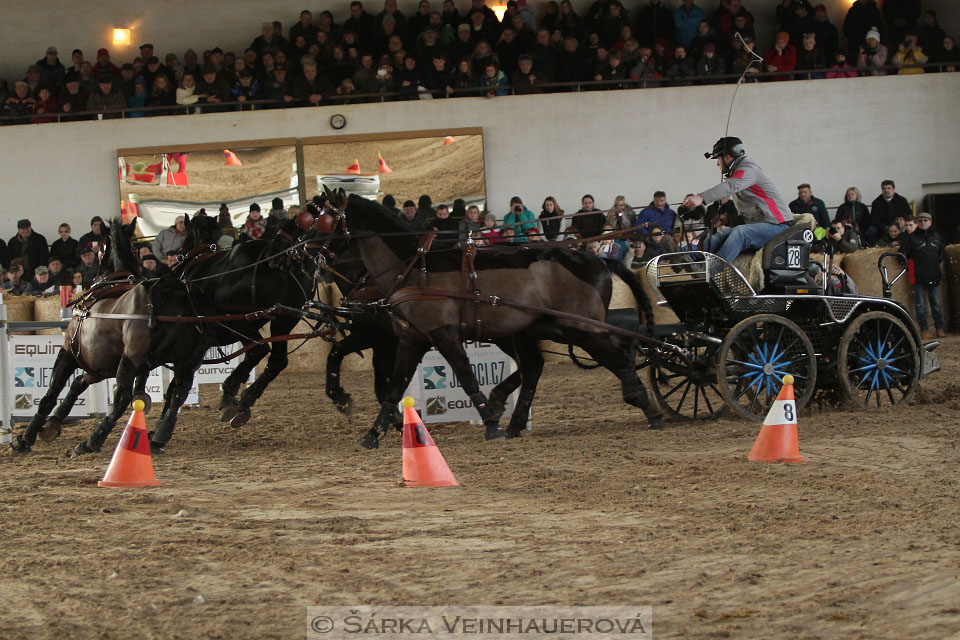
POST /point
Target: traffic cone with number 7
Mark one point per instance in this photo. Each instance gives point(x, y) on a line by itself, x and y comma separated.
point(777, 441)
point(132, 465)
point(423, 464)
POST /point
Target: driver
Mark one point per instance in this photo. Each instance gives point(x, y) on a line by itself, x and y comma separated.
point(758, 198)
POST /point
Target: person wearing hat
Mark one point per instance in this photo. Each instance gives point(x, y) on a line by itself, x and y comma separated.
point(52, 71)
point(171, 238)
point(862, 17)
point(254, 226)
point(153, 68)
point(759, 198)
point(41, 284)
point(58, 275)
point(138, 98)
point(146, 50)
point(89, 266)
point(151, 267)
point(525, 80)
point(409, 215)
point(20, 103)
point(33, 79)
point(97, 238)
point(873, 54)
point(710, 64)
point(828, 36)
point(107, 97)
point(104, 66)
point(782, 56)
point(884, 210)
point(30, 247)
point(245, 88)
point(212, 88)
point(924, 248)
point(72, 97)
point(277, 85)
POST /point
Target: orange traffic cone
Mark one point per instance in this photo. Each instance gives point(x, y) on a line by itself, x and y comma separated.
point(777, 441)
point(354, 168)
point(132, 465)
point(383, 165)
point(231, 158)
point(423, 464)
point(449, 140)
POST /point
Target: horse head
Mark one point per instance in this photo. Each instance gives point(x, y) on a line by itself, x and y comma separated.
point(202, 231)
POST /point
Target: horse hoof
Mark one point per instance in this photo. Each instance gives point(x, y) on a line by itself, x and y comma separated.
point(240, 418)
point(51, 431)
point(343, 402)
point(84, 448)
point(496, 409)
point(370, 440)
point(494, 432)
point(228, 413)
point(514, 433)
point(19, 446)
point(656, 424)
point(156, 448)
point(147, 402)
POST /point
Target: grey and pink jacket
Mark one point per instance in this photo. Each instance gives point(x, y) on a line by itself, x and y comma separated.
point(756, 193)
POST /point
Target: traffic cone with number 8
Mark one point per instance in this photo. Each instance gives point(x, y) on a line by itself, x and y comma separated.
point(423, 464)
point(778, 441)
point(132, 465)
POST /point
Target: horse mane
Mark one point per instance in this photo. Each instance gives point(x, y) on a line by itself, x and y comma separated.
point(370, 215)
point(201, 231)
point(122, 256)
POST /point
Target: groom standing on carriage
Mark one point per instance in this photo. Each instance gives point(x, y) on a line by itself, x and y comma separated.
point(758, 198)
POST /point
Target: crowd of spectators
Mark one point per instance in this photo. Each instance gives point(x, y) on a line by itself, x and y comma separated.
point(446, 53)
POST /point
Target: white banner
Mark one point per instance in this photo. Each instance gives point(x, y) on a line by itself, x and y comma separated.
point(217, 373)
point(31, 363)
point(438, 393)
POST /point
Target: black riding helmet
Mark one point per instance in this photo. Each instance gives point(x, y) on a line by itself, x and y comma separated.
point(729, 146)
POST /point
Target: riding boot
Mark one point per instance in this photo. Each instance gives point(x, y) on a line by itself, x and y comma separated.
point(493, 428)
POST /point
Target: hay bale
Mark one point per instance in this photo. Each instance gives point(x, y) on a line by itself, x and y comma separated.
point(951, 265)
point(47, 310)
point(750, 264)
point(861, 266)
point(19, 309)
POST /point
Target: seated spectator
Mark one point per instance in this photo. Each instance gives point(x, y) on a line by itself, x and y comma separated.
point(410, 79)
point(41, 285)
point(710, 64)
point(854, 207)
point(742, 60)
point(802, 22)
point(310, 87)
point(171, 238)
point(891, 239)
point(13, 280)
point(842, 237)
point(89, 266)
point(782, 56)
point(52, 71)
point(828, 37)
point(76, 279)
point(187, 91)
point(254, 226)
point(470, 225)
point(171, 259)
point(30, 247)
point(65, 249)
point(806, 202)
point(87, 80)
point(212, 89)
point(365, 76)
point(224, 219)
point(162, 94)
point(58, 275)
point(520, 219)
point(98, 237)
point(884, 211)
point(864, 16)
point(72, 97)
point(873, 55)
point(20, 103)
point(607, 247)
point(551, 220)
point(45, 104)
point(246, 88)
point(463, 78)
point(657, 214)
point(909, 56)
point(445, 226)
point(494, 80)
point(841, 68)
point(810, 58)
point(681, 67)
point(948, 57)
point(489, 231)
point(107, 98)
point(525, 80)
point(138, 98)
point(621, 215)
point(589, 220)
point(439, 80)
point(705, 35)
point(509, 236)
point(151, 267)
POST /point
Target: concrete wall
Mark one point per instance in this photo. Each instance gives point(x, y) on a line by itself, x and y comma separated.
point(831, 133)
point(176, 26)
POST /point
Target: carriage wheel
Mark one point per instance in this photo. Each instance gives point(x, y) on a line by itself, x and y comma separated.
point(878, 361)
point(688, 392)
point(755, 356)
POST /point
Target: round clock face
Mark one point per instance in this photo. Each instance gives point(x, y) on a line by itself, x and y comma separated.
point(338, 121)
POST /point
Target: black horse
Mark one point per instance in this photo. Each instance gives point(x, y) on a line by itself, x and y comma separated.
point(519, 296)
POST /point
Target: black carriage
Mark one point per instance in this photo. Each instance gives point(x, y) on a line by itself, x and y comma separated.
point(736, 343)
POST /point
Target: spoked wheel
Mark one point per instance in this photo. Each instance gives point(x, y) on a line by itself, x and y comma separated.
point(878, 361)
point(755, 356)
point(688, 392)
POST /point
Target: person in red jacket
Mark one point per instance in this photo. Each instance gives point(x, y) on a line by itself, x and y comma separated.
point(782, 56)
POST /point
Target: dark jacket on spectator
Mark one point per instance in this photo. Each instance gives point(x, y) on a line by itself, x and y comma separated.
point(52, 74)
point(77, 101)
point(94, 241)
point(856, 210)
point(861, 17)
point(655, 21)
point(816, 207)
point(68, 252)
point(4, 255)
point(925, 248)
point(883, 213)
point(218, 88)
point(112, 101)
point(303, 88)
point(33, 251)
point(589, 224)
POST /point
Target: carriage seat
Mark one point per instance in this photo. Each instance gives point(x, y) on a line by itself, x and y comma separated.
point(759, 266)
point(786, 258)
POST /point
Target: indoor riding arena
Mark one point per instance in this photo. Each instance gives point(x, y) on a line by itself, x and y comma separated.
point(803, 481)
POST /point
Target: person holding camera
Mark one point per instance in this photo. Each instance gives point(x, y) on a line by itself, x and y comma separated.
point(843, 237)
point(909, 56)
point(520, 219)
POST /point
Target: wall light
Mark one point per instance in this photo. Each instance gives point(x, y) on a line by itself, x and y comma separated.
point(499, 10)
point(121, 37)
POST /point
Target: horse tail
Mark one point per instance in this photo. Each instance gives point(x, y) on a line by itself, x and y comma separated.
point(122, 257)
point(636, 287)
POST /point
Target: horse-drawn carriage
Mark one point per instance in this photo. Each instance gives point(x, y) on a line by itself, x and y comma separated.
point(738, 343)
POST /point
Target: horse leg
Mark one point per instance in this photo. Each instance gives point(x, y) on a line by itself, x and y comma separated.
point(618, 354)
point(447, 341)
point(409, 352)
point(177, 391)
point(63, 368)
point(382, 355)
point(498, 395)
point(530, 363)
point(276, 364)
point(51, 430)
point(338, 351)
point(230, 386)
point(140, 388)
point(126, 371)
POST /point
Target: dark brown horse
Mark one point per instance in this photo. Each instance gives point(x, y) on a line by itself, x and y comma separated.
point(519, 295)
